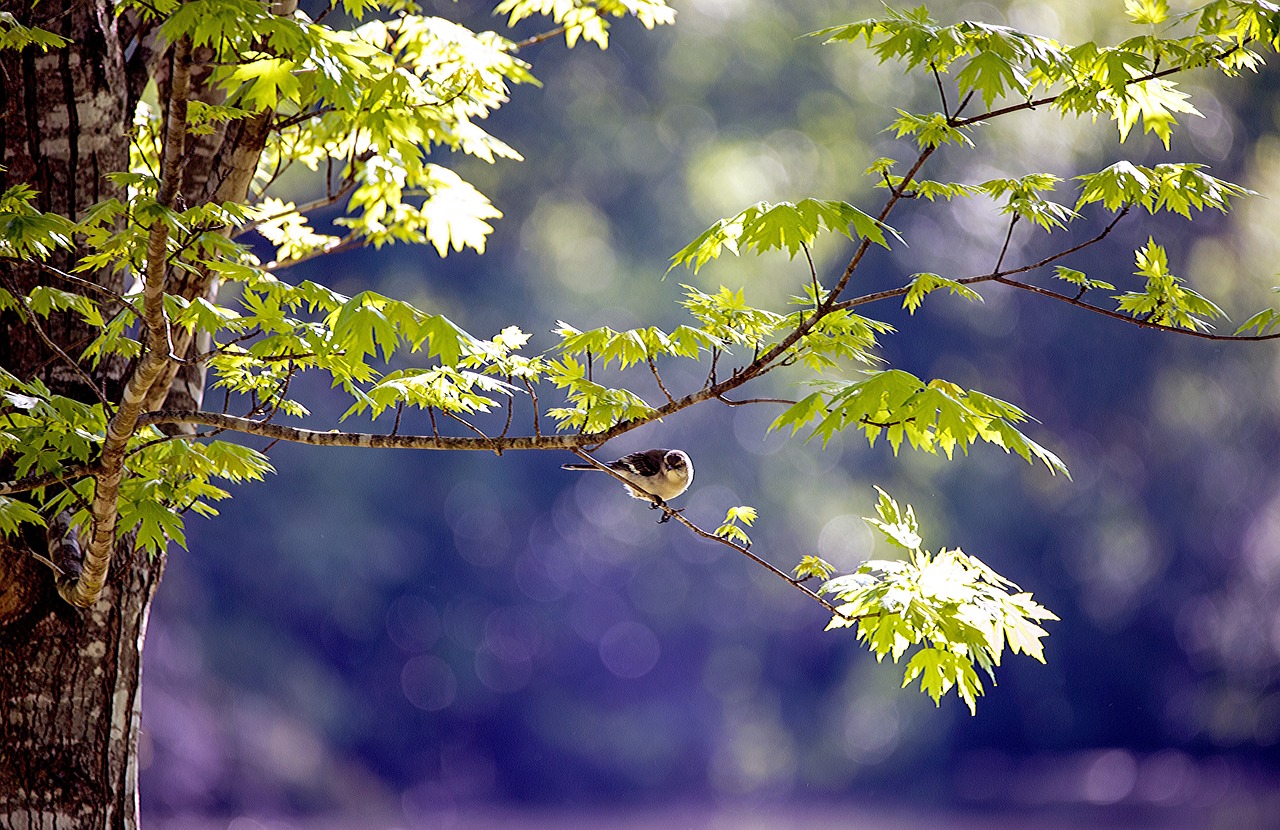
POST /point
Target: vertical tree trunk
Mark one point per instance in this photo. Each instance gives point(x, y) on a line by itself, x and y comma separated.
point(69, 679)
point(70, 696)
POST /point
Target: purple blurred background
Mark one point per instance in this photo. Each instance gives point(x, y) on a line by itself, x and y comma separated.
point(380, 639)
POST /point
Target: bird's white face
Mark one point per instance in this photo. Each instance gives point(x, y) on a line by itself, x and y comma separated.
point(676, 467)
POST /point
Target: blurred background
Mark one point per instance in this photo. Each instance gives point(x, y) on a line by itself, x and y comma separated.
point(378, 639)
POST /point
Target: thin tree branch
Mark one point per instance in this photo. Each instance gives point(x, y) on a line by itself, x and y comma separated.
point(813, 274)
point(81, 281)
point(346, 243)
point(536, 39)
point(511, 411)
point(54, 347)
point(497, 450)
point(670, 512)
point(653, 367)
point(347, 185)
point(1002, 277)
point(749, 401)
point(232, 423)
point(902, 290)
point(1004, 249)
point(1137, 321)
point(35, 482)
point(1049, 99)
point(533, 396)
point(942, 94)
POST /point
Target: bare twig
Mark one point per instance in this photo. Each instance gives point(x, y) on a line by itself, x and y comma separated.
point(813, 274)
point(35, 482)
point(672, 513)
point(533, 396)
point(1004, 249)
point(1141, 322)
point(902, 290)
point(511, 411)
point(942, 95)
point(748, 401)
point(536, 39)
point(54, 347)
point(653, 367)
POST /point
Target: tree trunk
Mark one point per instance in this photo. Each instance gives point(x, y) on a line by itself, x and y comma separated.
point(69, 678)
point(70, 696)
point(69, 702)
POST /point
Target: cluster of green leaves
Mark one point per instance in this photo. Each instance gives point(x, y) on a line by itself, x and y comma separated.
point(731, 530)
point(25, 231)
point(14, 35)
point(784, 226)
point(371, 105)
point(45, 433)
point(952, 612)
point(1166, 187)
point(587, 21)
point(378, 98)
point(934, 416)
point(1174, 187)
point(1166, 300)
point(1177, 188)
point(372, 108)
point(1119, 82)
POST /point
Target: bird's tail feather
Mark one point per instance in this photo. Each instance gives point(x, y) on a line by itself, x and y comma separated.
point(578, 467)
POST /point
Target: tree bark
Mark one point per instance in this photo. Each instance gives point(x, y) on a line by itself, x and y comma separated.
point(69, 687)
point(70, 678)
point(70, 696)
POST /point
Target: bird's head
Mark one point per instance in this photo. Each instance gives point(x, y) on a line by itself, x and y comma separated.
point(676, 462)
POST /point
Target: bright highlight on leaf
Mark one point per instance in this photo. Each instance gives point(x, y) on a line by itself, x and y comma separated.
point(956, 612)
point(937, 416)
point(898, 526)
point(784, 226)
point(731, 530)
point(1166, 300)
point(1147, 12)
point(813, 567)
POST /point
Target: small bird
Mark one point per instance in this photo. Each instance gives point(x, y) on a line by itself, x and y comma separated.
point(659, 472)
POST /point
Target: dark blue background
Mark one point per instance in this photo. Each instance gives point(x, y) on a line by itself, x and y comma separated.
point(431, 639)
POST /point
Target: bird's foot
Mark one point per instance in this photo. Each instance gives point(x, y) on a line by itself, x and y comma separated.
point(671, 511)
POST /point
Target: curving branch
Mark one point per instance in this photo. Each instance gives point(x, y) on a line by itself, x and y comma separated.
point(1049, 99)
point(109, 470)
point(670, 512)
point(35, 482)
point(1137, 321)
point(1002, 277)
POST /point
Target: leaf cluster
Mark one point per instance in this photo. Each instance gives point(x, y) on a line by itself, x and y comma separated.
point(731, 530)
point(949, 609)
point(42, 433)
point(936, 417)
point(1123, 82)
point(785, 226)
